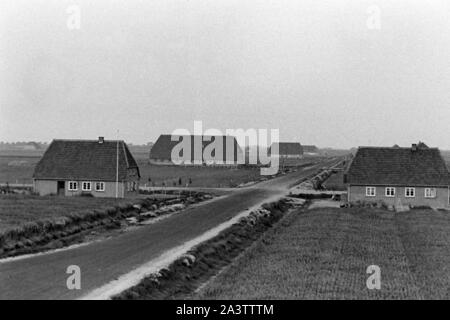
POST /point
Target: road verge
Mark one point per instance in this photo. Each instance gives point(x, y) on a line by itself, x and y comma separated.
point(51, 234)
point(193, 268)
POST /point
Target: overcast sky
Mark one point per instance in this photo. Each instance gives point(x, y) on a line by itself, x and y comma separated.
point(324, 72)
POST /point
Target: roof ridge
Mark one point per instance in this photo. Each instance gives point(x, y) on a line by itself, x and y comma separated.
point(196, 135)
point(87, 140)
point(287, 143)
point(396, 148)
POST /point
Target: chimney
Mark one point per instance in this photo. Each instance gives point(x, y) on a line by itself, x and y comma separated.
point(101, 140)
point(414, 147)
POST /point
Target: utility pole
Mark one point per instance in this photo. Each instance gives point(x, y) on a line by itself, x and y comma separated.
point(117, 165)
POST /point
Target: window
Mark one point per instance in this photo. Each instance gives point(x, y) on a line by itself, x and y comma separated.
point(86, 186)
point(131, 186)
point(73, 185)
point(430, 192)
point(390, 192)
point(371, 191)
point(410, 192)
point(99, 186)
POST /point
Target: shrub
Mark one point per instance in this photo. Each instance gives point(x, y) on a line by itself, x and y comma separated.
point(86, 194)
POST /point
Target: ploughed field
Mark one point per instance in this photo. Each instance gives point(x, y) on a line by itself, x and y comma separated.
point(324, 254)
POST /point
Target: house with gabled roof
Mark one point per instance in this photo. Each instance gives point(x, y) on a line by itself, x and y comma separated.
point(415, 176)
point(286, 150)
point(101, 168)
point(200, 148)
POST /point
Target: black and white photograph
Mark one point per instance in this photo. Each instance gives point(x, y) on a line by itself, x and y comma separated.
point(226, 156)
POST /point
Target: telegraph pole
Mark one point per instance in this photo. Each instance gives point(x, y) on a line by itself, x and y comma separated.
point(117, 165)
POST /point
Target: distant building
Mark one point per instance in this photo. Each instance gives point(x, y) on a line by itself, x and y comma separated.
point(31, 146)
point(200, 150)
point(415, 176)
point(287, 150)
point(310, 149)
point(99, 168)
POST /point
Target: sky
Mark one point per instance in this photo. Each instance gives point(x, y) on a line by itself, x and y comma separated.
point(331, 73)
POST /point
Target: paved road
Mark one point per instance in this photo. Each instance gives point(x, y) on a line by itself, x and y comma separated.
point(44, 276)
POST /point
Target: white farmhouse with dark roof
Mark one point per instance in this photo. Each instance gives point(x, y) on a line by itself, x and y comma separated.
point(416, 176)
point(101, 168)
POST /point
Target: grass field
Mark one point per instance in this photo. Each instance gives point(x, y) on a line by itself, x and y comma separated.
point(200, 176)
point(15, 169)
point(19, 167)
point(214, 177)
point(324, 254)
point(16, 210)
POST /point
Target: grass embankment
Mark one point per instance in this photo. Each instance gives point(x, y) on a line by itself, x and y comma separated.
point(18, 210)
point(192, 270)
point(44, 223)
point(324, 254)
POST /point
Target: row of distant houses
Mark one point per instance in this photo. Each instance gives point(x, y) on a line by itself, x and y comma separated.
point(201, 152)
point(106, 168)
point(416, 176)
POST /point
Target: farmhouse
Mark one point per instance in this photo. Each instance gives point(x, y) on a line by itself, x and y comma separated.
point(196, 150)
point(287, 150)
point(415, 176)
point(99, 168)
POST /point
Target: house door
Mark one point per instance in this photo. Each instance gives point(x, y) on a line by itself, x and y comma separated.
point(61, 188)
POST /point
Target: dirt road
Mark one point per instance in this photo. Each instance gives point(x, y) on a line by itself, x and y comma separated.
point(44, 276)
